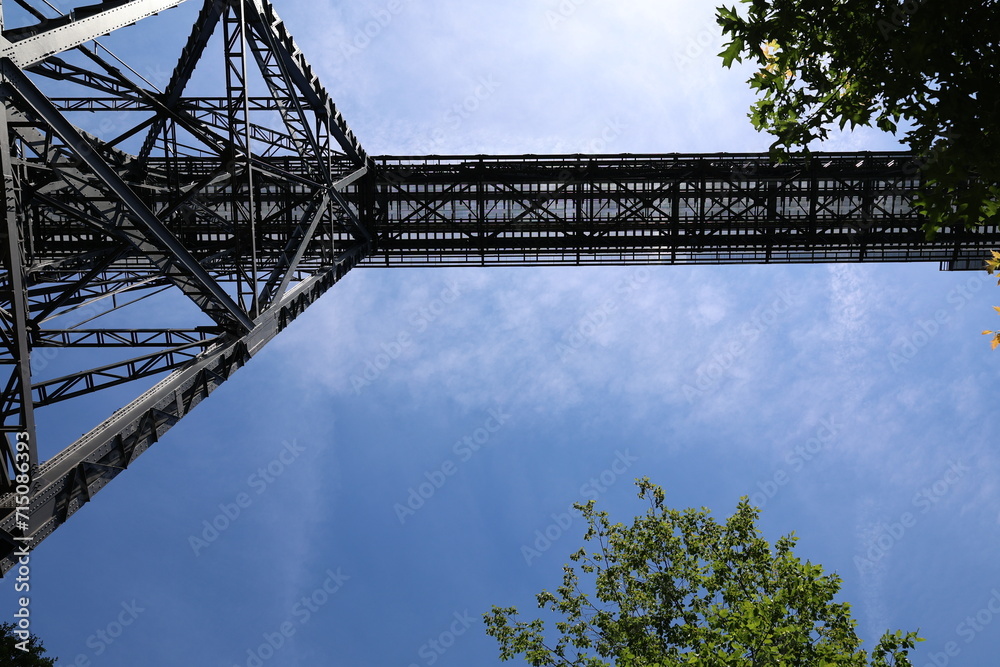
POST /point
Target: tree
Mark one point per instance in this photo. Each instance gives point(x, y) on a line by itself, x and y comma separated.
point(677, 588)
point(931, 67)
point(992, 266)
point(12, 656)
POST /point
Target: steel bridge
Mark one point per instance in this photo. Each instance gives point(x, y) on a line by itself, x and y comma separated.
point(248, 207)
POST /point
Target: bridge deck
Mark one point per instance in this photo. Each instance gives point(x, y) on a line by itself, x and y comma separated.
point(658, 209)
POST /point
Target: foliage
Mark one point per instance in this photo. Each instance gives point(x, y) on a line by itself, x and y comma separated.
point(12, 656)
point(677, 588)
point(993, 265)
point(931, 67)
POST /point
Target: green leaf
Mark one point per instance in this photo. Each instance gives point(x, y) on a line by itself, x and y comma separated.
point(732, 52)
point(677, 587)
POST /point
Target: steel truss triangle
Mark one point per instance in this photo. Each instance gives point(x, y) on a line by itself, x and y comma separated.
point(89, 224)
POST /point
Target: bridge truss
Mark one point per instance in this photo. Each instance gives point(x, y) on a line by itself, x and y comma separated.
point(245, 208)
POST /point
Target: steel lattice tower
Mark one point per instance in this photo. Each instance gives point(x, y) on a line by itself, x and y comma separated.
point(247, 208)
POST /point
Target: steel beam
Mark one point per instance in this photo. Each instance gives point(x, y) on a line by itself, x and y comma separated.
point(660, 209)
point(60, 35)
point(300, 73)
point(208, 19)
point(152, 238)
point(133, 338)
point(18, 407)
point(69, 480)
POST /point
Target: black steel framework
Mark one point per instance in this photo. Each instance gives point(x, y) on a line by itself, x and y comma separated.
point(248, 207)
point(658, 209)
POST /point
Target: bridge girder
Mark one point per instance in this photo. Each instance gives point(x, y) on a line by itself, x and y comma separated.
point(660, 209)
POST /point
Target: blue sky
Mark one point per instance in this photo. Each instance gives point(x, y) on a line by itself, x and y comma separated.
point(853, 403)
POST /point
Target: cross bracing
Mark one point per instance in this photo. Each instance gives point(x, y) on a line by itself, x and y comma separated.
point(243, 208)
point(658, 209)
point(575, 209)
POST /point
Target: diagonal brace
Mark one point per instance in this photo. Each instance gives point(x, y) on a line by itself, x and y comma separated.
point(154, 239)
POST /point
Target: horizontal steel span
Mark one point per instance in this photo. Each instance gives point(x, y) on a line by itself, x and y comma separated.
point(538, 210)
point(659, 209)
